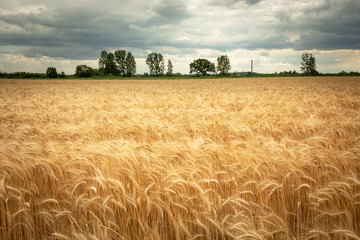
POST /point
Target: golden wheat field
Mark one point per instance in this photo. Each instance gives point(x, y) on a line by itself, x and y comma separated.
point(272, 158)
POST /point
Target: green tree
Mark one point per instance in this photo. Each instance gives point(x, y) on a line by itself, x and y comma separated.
point(51, 72)
point(84, 71)
point(308, 64)
point(107, 63)
point(102, 60)
point(120, 58)
point(155, 61)
point(202, 66)
point(110, 67)
point(169, 68)
point(62, 75)
point(223, 64)
point(130, 65)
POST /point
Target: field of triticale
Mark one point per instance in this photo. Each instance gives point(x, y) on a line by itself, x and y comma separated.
point(271, 158)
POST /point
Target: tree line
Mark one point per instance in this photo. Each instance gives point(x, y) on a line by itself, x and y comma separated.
point(123, 64)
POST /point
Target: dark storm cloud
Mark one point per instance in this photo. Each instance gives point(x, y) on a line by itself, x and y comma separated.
point(327, 25)
point(54, 32)
point(66, 32)
point(72, 52)
point(81, 29)
point(171, 12)
point(326, 41)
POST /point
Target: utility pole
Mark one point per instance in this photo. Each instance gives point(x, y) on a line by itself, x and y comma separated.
point(252, 66)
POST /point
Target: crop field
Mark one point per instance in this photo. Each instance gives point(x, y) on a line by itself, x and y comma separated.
point(271, 158)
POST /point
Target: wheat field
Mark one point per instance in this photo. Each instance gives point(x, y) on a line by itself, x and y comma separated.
point(272, 158)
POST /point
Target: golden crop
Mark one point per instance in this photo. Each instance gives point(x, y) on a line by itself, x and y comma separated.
point(187, 159)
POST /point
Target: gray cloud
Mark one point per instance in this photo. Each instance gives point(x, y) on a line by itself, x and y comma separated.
point(169, 13)
point(327, 25)
point(67, 32)
point(234, 3)
point(60, 52)
point(81, 29)
point(55, 31)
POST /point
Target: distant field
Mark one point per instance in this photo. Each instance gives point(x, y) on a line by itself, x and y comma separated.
point(269, 158)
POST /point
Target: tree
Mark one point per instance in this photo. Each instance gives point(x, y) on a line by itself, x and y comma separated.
point(102, 60)
point(62, 75)
point(223, 64)
point(110, 66)
point(51, 72)
point(308, 64)
point(120, 58)
point(84, 71)
point(130, 65)
point(202, 66)
point(117, 63)
point(169, 68)
point(107, 63)
point(155, 61)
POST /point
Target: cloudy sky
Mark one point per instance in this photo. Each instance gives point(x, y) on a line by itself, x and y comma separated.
point(36, 34)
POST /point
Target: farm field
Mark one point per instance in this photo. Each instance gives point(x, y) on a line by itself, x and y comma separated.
point(270, 158)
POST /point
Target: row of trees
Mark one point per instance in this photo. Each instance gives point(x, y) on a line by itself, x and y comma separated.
point(156, 64)
point(122, 63)
point(51, 72)
point(203, 66)
point(118, 63)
